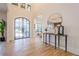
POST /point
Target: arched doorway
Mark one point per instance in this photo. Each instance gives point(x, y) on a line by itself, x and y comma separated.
point(38, 26)
point(21, 28)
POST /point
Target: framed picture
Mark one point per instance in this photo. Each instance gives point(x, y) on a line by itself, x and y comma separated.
point(29, 7)
point(23, 5)
point(15, 4)
point(61, 30)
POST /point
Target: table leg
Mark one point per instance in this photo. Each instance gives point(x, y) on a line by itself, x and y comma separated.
point(46, 38)
point(66, 43)
point(55, 41)
point(49, 39)
point(43, 37)
point(58, 41)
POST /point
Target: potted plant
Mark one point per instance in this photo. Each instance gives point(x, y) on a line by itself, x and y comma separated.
point(2, 28)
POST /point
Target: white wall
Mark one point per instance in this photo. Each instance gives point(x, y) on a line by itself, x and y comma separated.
point(12, 13)
point(70, 13)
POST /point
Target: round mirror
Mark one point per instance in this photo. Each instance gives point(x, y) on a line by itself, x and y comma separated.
point(55, 18)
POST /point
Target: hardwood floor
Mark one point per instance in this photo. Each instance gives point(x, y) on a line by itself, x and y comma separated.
point(30, 47)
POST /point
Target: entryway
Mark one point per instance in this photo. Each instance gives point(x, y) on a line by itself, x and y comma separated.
point(21, 28)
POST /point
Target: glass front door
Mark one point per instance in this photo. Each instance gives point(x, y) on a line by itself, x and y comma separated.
point(22, 28)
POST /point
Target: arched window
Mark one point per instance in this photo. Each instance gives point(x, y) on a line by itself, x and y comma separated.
point(22, 28)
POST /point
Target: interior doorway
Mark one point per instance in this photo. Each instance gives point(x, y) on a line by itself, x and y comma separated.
point(38, 27)
point(21, 28)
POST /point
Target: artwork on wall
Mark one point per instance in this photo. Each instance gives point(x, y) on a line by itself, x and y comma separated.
point(23, 5)
point(28, 7)
point(15, 4)
point(61, 30)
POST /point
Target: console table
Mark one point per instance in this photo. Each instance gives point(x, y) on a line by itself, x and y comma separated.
point(56, 35)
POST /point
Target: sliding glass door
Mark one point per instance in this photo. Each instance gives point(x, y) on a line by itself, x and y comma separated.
point(22, 28)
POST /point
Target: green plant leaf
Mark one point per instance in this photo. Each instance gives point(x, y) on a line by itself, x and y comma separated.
point(2, 25)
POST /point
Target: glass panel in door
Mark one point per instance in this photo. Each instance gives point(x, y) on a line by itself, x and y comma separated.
point(26, 28)
point(18, 28)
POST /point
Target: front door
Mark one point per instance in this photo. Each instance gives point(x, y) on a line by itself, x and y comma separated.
point(22, 28)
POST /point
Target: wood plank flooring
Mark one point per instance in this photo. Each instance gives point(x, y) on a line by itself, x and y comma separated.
point(30, 47)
